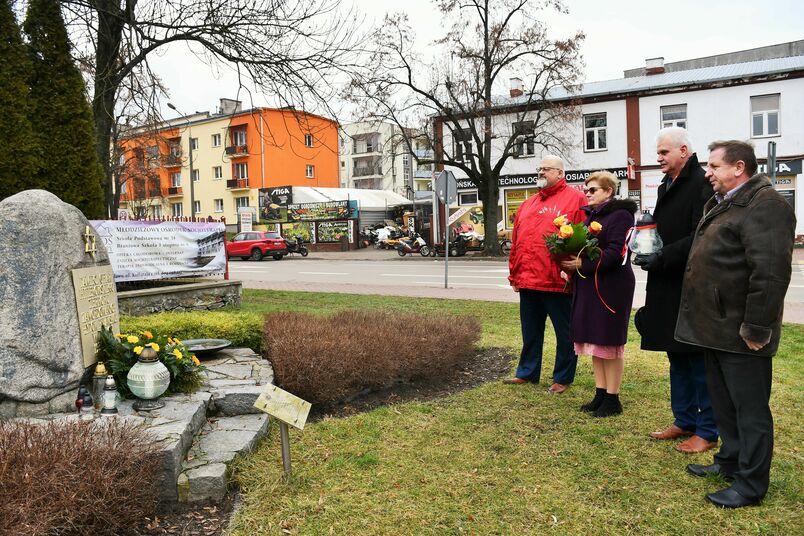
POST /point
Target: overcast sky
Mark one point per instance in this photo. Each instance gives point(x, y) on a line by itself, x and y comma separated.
point(620, 34)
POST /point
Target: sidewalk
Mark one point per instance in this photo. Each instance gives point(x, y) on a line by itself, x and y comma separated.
point(374, 254)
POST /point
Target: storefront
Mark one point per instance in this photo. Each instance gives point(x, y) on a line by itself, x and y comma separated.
point(515, 190)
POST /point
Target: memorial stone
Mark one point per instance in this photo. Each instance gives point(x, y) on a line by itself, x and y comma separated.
point(56, 290)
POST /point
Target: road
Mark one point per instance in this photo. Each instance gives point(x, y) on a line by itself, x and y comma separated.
point(383, 273)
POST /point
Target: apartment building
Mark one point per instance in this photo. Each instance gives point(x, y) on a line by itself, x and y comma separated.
point(755, 95)
point(374, 155)
point(213, 165)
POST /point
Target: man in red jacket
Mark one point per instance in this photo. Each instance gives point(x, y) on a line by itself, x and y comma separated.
point(536, 275)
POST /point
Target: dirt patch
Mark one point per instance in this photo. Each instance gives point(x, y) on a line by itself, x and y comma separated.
point(211, 520)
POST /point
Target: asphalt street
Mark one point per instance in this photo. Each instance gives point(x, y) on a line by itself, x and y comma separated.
point(384, 272)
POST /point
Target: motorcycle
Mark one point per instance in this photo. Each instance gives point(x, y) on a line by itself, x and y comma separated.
point(296, 246)
point(417, 245)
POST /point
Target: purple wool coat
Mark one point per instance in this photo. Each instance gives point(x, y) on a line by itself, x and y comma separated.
point(591, 321)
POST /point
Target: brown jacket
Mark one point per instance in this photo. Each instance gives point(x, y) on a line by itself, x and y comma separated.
point(738, 271)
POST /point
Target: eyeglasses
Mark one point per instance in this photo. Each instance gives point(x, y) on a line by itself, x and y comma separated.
point(546, 169)
point(592, 190)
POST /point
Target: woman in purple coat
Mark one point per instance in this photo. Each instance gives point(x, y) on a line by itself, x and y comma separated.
point(604, 291)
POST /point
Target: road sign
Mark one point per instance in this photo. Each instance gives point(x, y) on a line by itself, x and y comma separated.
point(446, 187)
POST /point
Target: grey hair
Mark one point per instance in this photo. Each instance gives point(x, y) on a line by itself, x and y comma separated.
point(676, 135)
point(557, 159)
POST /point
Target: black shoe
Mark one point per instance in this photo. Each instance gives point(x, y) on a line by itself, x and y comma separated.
point(708, 470)
point(596, 401)
point(728, 498)
point(610, 406)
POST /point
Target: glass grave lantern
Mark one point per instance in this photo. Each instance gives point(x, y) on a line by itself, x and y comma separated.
point(645, 239)
point(148, 379)
point(109, 397)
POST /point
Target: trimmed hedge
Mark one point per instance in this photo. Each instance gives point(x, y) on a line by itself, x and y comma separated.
point(326, 359)
point(244, 330)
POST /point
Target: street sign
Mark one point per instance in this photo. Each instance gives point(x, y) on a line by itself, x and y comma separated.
point(289, 409)
point(446, 187)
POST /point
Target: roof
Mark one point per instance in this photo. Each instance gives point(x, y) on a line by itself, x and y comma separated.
point(366, 199)
point(677, 79)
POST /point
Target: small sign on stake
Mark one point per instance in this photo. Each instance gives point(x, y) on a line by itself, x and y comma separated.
point(288, 409)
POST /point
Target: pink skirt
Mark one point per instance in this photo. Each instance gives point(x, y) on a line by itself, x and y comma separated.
point(600, 350)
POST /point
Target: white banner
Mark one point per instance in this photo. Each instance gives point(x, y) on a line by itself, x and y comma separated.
point(140, 250)
point(458, 213)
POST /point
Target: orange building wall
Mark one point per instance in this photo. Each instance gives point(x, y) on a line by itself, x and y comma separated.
point(283, 152)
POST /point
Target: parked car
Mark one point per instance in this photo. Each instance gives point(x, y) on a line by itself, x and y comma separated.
point(255, 245)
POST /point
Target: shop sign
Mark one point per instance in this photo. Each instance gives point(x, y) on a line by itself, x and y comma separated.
point(273, 204)
point(583, 174)
point(786, 183)
point(789, 167)
point(530, 179)
point(327, 210)
point(332, 231)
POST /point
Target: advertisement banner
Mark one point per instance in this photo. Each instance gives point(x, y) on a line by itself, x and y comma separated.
point(142, 250)
point(332, 231)
point(325, 210)
point(274, 204)
point(303, 228)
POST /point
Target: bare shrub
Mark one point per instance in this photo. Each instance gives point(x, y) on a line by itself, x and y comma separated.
point(324, 359)
point(75, 477)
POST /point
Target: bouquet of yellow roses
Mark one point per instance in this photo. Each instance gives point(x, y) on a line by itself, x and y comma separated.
point(120, 352)
point(573, 238)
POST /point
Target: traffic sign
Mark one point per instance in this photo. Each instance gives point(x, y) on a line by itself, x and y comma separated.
point(446, 187)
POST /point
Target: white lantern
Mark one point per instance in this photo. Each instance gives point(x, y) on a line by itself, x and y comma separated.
point(645, 239)
point(148, 379)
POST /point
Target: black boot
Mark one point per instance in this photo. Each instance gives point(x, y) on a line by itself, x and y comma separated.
point(610, 406)
point(590, 407)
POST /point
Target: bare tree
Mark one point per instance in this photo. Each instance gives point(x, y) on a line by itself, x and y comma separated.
point(292, 49)
point(454, 97)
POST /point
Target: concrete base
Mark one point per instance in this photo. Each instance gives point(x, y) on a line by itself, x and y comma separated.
point(188, 295)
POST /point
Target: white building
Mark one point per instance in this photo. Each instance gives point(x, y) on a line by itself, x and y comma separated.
point(755, 95)
point(373, 155)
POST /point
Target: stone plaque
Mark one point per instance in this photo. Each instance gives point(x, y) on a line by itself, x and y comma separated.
point(284, 406)
point(96, 300)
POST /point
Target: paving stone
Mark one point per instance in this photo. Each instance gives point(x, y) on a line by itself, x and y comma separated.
point(237, 441)
point(255, 423)
point(208, 482)
point(236, 401)
point(235, 352)
point(237, 372)
point(226, 382)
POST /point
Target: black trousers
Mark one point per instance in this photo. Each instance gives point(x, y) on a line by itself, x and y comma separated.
point(740, 388)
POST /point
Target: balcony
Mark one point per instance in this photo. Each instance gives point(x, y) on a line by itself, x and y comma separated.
point(172, 160)
point(425, 154)
point(237, 151)
point(175, 191)
point(423, 174)
point(367, 149)
point(366, 184)
point(366, 171)
point(237, 184)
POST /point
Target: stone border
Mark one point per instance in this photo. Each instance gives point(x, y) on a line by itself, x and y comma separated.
point(201, 296)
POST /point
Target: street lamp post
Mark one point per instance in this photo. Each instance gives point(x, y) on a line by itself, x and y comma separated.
point(190, 146)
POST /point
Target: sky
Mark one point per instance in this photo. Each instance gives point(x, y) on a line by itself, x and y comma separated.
point(620, 35)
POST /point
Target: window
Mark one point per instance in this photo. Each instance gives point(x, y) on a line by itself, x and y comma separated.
point(308, 140)
point(765, 116)
point(674, 116)
point(594, 132)
point(156, 211)
point(343, 164)
point(216, 140)
point(239, 137)
point(196, 175)
point(175, 179)
point(241, 202)
point(241, 171)
point(463, 144)
point(152, 155)
point(467, 198)
point(219, 205)
point(217, 172)
point(524, 145)
point(310, 171)
point(193, 144)
point(406, 168)
point(196, 206)
point(176, 210)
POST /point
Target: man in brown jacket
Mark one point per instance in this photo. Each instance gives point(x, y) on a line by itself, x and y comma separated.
point(731, 305)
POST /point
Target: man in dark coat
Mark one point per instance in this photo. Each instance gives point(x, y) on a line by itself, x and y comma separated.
point(679, 207)
point(731, 304)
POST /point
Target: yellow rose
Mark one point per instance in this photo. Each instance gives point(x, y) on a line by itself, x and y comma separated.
point(178, 355)
point(196, 362)
point(595, 227)
point(565, 231)
point(138, 350)
point(147, 334)
point(560, 221)
point(154, 346)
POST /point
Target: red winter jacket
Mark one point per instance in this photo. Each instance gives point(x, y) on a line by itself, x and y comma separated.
point(530, 265)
